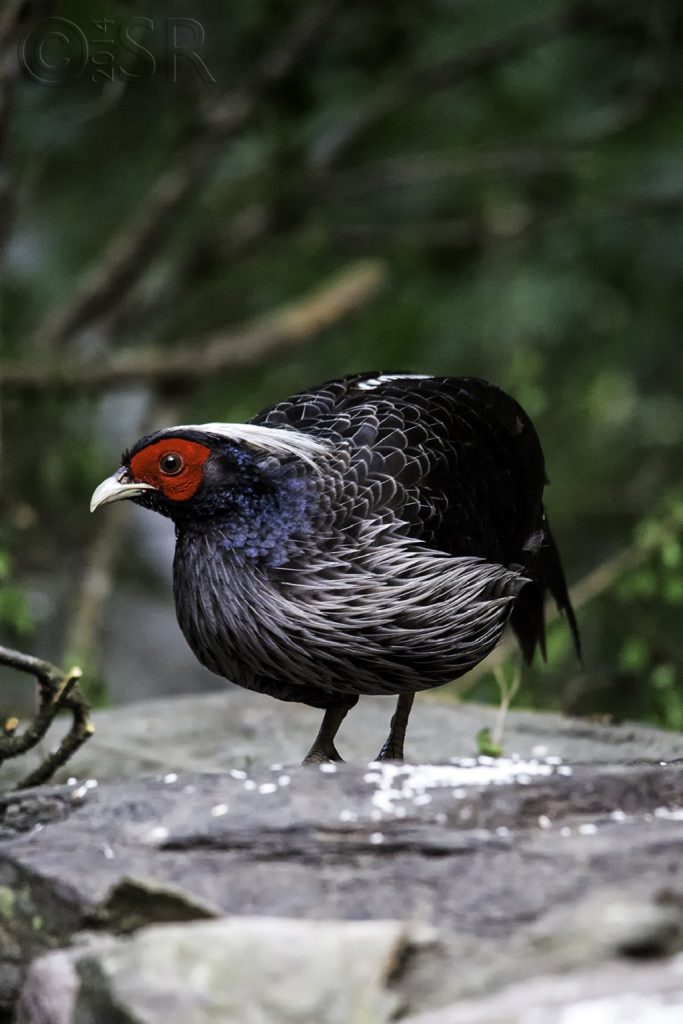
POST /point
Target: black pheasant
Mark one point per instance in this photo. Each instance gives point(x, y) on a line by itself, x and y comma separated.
point(373, 535)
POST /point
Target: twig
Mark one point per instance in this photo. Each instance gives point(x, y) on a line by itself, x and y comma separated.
point(308, 186)
point(58, 691)
point(147, 230)
point(260, 220)
point(520, 162)
point(237, 237)
point(423, 81)
point(508, 692)
point(287, 328)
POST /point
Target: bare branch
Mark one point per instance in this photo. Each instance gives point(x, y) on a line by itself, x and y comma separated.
point(58, 691)
point(147, 230)
point(260, 220)
point(287, 328)
point(420, 82)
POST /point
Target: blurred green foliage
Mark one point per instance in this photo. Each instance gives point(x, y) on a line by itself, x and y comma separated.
point(530, 211)
point(15, 617)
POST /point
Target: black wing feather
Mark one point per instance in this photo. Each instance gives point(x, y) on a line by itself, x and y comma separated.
point(466, 469)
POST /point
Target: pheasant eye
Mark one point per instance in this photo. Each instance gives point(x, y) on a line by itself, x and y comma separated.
point(171, 463)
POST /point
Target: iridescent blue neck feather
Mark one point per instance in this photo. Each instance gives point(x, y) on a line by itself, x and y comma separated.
point(268, 526)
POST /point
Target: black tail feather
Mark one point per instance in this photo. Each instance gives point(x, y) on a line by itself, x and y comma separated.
point(555, 582)
point(528, 619)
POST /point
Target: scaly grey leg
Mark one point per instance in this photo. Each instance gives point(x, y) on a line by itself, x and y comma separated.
point(393, 747)
point(323, 748)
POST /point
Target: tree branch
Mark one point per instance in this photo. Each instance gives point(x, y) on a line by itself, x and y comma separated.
point(261, 220)
point(58, 691)
point(146, 231)
point(287, 328)
point(420, 82)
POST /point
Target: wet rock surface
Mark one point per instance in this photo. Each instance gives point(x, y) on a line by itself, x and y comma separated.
point(472, 878)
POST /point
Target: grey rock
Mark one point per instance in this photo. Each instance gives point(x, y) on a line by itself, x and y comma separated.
point(261, 970)
point(565, 854)
point(615, 993)
point(233, 971)
point(49, 993)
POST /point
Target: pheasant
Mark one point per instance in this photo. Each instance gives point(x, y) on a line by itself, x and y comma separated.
point(373, 535)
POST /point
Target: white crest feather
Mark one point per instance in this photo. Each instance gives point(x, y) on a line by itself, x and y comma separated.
point(277, 440)
point(376, 382)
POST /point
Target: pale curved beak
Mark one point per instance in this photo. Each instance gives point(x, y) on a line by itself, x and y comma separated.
point(114, 488)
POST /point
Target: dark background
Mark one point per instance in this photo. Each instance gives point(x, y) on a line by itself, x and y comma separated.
point(473, 187)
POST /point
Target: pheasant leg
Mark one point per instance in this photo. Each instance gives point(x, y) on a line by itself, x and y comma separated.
point(393, 746)
point(323, 749)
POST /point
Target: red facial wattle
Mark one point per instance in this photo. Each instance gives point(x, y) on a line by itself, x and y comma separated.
point(174, 466)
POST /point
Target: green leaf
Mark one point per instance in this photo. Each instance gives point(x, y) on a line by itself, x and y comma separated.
point(485, 746)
